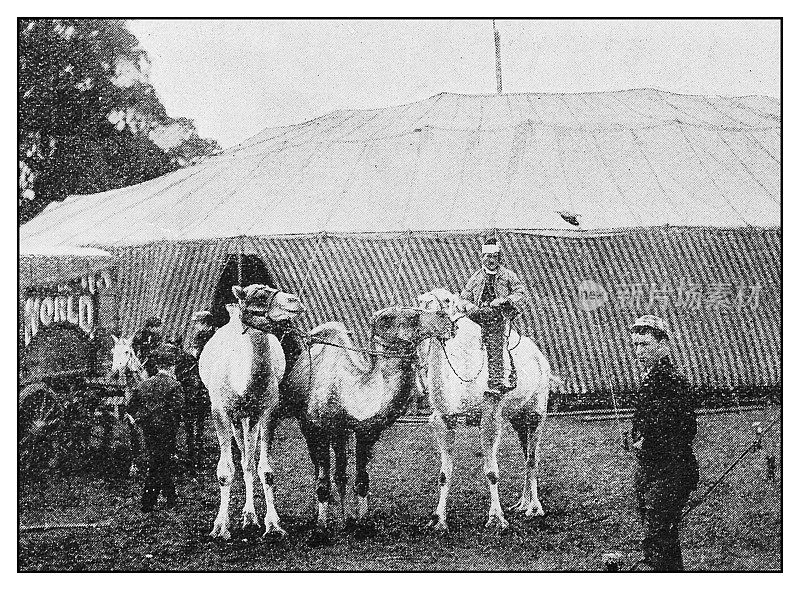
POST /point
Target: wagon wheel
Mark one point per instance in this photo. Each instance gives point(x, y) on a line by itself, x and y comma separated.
point(39, 416)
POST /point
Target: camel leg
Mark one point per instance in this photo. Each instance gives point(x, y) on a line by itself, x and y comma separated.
point(222, 425)
point(535, 429)
point(364, 444)
point(490, 440)
point(247, 440)
point(445, 438)
point(519, 422)
point(339, 444)
point(319, 449)
point(272, 523)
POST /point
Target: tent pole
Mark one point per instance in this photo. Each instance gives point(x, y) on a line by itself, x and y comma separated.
point(498, 70)
point(239, 261)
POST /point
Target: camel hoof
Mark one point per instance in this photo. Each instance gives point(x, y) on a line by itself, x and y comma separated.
point(521, 506)
point(534, 511)
point(220, 531)
point(497, 522)
point(249, 519)
point(440, 527)
point(273, 530)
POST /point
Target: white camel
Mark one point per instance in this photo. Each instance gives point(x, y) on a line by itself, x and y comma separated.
point(241, 366)
point(456, 379)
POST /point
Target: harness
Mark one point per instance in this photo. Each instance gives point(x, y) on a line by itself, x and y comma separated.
point(483, 356)
point(270, 327)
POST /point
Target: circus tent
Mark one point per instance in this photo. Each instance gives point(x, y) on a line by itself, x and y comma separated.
point(613, 196)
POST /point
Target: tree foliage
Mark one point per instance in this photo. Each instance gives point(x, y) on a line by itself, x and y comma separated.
point(88, 118)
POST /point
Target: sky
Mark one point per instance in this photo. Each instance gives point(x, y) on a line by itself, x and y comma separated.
point(237, 77)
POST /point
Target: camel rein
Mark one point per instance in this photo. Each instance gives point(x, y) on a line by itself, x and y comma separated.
point(311, 340)
point(452, 368)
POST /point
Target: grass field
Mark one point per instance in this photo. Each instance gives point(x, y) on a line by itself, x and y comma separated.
point(585, 487)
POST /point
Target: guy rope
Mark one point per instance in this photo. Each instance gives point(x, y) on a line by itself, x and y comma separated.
point(754, 446)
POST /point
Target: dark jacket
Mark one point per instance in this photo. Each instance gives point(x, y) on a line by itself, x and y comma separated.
point(157, 403)
point(201, 338)
point(664, 416)
point(506, 285)
point(144, 344)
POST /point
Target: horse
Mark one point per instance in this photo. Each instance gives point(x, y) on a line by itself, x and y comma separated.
point(333, 390)
point(241, 366)
point(125, 364)
point(456, 379)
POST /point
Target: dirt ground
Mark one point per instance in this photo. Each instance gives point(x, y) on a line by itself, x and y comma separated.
point(585, 487)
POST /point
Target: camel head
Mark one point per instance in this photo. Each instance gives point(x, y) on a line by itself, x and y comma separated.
point(408, 326)
point(123, 358)
point(266, 302)
point(441, 300)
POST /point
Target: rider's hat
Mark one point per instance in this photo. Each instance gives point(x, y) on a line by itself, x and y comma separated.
point(490, 246)
point(651, 322)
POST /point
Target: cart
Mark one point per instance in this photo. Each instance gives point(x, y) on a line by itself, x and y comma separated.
point(70, 414)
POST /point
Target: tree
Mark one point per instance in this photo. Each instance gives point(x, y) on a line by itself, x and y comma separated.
point(89, 120)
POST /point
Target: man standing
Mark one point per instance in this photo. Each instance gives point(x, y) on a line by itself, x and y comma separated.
point(664, 427)
point(203, 331)
point(156, 406)
point(146, 341)
point(493, 296)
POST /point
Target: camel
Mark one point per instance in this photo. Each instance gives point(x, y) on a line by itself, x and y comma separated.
point(456, 380)
point(333, 389)
point(241, 366)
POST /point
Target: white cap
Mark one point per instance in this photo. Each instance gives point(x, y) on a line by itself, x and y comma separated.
point(490, 249)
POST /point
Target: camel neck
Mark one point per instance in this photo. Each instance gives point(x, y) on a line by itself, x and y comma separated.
point(398, 378)
point(436, 362)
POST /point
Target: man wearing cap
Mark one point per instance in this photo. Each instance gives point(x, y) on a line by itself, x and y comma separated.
point(664, 427)
point(146, 341)
point(156, 405)
point(203, 331)
point(493, 296)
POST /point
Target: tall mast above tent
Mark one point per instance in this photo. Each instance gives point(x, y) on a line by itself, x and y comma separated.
point(497, 68)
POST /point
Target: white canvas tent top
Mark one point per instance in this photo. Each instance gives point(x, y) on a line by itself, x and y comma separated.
point(616, 160)
point(41, 266)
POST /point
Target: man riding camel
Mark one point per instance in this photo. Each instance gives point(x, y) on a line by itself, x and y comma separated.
point(493, 296)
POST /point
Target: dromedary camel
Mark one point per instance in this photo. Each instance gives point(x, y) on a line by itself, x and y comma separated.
point(336, 390)
point(456, 379)
point(241, 366)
